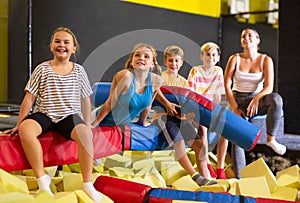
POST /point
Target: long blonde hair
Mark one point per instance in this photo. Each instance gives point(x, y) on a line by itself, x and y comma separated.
point(156, 69)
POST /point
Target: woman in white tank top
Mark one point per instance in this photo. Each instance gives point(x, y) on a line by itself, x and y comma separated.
point(249, 78)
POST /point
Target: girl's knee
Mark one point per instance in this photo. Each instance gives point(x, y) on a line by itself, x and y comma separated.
point(29, 129)
point(81, 133)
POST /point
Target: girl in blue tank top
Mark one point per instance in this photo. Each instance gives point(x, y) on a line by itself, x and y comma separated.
point(130, 104)
point(133, 88)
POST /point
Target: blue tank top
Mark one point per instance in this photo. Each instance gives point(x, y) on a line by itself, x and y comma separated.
point(130, 104)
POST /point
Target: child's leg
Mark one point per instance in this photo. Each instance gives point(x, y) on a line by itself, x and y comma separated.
point(29, 130)
point(185, 162)
point(171, 132)
point(182, 158)
point(82, 135)
point(201, 153)
point(201, 162)
point(221, 151)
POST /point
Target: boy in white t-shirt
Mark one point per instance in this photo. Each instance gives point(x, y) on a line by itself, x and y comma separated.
point(207, 80)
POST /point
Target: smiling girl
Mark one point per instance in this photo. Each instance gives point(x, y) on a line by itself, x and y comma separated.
point(61, 91)
point(133, 88)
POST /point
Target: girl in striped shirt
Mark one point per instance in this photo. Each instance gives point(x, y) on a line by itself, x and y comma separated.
point(60, 91)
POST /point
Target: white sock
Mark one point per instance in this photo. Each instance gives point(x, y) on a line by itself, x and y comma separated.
point(277, 147)
point(89, 188)
point(44, 183)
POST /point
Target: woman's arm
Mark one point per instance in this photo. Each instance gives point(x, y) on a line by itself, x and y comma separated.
point(268, 72)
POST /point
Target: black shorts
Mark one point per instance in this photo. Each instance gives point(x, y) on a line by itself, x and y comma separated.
point(177, 130)
point(64, 127)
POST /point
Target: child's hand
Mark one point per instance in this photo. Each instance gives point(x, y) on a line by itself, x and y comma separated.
point(239, 112)
point(10, 131)
point(171, 109)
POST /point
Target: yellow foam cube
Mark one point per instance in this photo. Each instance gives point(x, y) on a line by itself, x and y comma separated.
point(66, 168)
point(12, 183)
point(51, 170)
point(260, 168)
point(226, 183)
point(57, 182)
point(30, 181)
point(171, 171)
point(163, 153)
point(121, 172)
point(20, 172)
point(138, 165)
point(117, 160)
point(154, 177)
point(285, 193)
point(3, 190)
point(72, 182)
point(192, 156)
point(159, 160)
point(222, 186)
point(84, 198)
point(142, 181)
point(214, 188)
point(44, 197)
point(253, 187)
point(75, 168)
point(143, 171)
point(137, 155)
point(151, 175)
point(100, 169)
point(233, 183)
point(28, 172)
point(185, 183)
point(289, 177)
point(16, 197)
point(65, 197)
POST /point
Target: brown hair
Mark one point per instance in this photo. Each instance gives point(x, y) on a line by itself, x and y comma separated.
point(75, 41)
point(255, 32)
point(173, 50)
